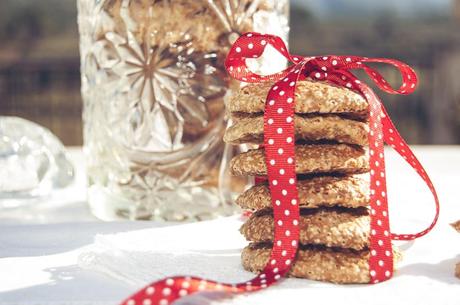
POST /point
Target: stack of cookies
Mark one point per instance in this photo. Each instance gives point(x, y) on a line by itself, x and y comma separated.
point(456, 226)
point(332, 165)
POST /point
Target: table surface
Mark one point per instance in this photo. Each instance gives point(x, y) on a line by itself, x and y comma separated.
point(40, 243)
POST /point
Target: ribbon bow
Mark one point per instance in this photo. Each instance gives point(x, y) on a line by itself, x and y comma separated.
point(279, 152)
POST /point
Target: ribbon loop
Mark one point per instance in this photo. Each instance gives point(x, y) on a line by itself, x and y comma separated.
point(254, 45)
point(408, 75)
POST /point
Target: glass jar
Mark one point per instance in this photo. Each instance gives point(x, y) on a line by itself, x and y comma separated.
point(154, 89)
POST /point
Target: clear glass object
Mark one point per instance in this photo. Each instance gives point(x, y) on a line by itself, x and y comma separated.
point(33, 162)
point(154, 89)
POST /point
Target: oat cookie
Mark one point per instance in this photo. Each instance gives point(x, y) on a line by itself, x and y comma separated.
point(323, 158)
point(333, 227)
point(309, 128)
point(323, 191)
point(310, 97)
point(457, 270)
point(456, 226)
point(341, 266)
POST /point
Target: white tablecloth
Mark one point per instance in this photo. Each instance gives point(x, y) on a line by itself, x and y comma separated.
point(40, 246)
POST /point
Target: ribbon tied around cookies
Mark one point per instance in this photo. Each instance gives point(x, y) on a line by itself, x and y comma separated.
point(279, 144)
point(279, 134)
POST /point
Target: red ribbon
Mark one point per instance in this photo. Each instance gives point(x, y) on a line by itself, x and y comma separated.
point(279, 152)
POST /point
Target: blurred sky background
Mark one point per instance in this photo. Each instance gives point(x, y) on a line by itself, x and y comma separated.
point(39, 60)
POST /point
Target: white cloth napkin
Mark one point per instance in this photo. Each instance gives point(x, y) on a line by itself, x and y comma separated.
point(212, 250)
point(209, 249)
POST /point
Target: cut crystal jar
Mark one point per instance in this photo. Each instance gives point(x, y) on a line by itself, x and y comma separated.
point(154, 89)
